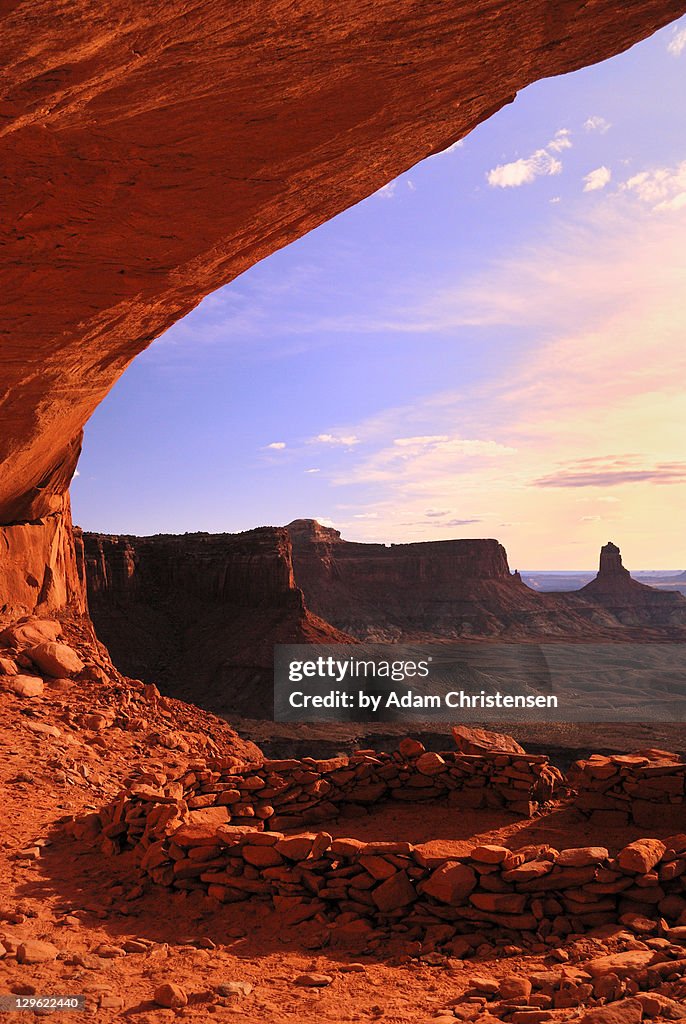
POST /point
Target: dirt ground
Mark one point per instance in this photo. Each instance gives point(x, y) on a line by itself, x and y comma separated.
point(117, 940)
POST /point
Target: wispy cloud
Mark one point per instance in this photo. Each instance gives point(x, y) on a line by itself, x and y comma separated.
point(613, 472)
point(387, 191)
point(527, 169)
point(663, 188)
point(600, 299)
point(276, 446)
point(677, 44)
point(596, 123)
point(344, 440)
point(597, 179)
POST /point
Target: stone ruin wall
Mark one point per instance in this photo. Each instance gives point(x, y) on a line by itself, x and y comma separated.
point(221, 829)
point(644, 790)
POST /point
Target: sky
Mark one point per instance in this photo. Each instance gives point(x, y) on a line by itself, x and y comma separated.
point(493, 345)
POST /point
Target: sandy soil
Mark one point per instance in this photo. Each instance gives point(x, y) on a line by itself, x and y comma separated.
point(117, 940)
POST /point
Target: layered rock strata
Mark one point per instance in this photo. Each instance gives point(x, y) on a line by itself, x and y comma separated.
point(200, 613)
point(462, 589)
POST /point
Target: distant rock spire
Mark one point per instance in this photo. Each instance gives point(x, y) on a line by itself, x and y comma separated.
point(611, 561)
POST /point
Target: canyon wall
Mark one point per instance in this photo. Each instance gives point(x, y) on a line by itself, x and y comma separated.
point(200, 613)
point(462, 589)
point(41, 566)
point(153, 152)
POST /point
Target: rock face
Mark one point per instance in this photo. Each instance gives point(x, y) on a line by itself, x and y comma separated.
point(200, 613)
point(630, 602)
point(461, 589)
point(389, 592)
point(146, 165)
point(41, 566)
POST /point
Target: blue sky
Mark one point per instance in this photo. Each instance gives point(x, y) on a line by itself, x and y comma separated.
point(492, 345)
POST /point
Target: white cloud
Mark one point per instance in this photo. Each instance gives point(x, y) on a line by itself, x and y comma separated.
point(597, 179)
point(423, 439)
point(595, 123)
point(677, 44)
point(276, 446)
point(450, 149)
point(527, 169)
point(312, 471)
point(347, 440)
point(561, 140)
point(663, 188)
point(388, 191)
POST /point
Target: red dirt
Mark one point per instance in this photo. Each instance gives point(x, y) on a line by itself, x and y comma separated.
point(445, 831)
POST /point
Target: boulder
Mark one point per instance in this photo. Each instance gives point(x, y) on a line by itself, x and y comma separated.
point(22, 686)
point(621, 964)
point(56, 659)
point(410, 748)
point(397, 891)
point(29, 632)
point(582, 856)
point(641, 856)
point(171, 996)
point(34, 951)
point(627, 1011)
point(481, 741)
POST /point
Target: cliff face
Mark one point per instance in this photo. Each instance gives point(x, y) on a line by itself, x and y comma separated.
point(41, 566)
point(453, 589)
point(374, 591)
point(200, 613)
point(152, 152)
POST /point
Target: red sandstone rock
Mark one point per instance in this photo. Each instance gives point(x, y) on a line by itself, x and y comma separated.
point(641, 855)
point(22, 686)
point(30, 631)
point(621, 964)
point(628, 1011)
point(55, 659)
point(479, 741)
point(410, 748)
point(450, 883)
point(581, 857)
point(170, 995)
point(489, 854)
point(397, 891)
point(35, 951)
